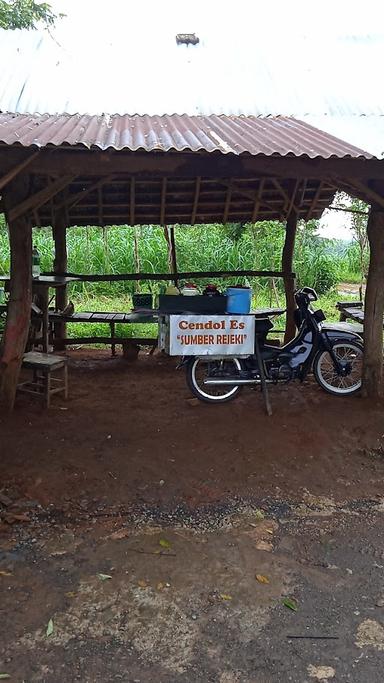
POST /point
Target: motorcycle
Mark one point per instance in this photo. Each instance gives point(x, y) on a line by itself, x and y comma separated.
point(333, 354)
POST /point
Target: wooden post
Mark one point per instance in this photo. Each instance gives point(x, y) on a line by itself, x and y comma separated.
point(19, 306)
point(287, 267)
point(374, 308)
point(60, 264)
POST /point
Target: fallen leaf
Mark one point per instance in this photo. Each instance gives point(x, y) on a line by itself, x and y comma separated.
point(104, 577)
point(225, 596)
point(264, 545)
point(269, 531)
point(121, 533)
point(4, 676)
point(142, 583)
point(164, 543)
point(370, 633)
point(259, 514)
point(70, 594)
point(261, 578)
point(291, 604)
point(160, 586)
point(321, 673)
point(4, 573)
point(49, 630)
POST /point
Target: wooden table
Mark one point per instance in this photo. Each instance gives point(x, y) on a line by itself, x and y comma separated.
point(41, 286)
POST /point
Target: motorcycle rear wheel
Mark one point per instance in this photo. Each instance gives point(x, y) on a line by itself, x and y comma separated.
point(198, 369)
point(326, 375)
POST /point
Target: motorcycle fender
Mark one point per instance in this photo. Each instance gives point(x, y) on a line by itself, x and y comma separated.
point(340, 335)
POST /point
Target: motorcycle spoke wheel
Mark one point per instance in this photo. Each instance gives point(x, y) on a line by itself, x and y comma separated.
point(327, 375)
point(201, 369)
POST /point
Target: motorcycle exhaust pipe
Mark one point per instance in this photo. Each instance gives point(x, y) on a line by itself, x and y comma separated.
point(230, 382)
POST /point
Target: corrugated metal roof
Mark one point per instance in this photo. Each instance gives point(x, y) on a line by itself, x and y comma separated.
point(226, 134)
point(246, 63)
point(241, 68)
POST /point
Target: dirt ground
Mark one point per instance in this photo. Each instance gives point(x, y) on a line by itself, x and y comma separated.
point(148, 537)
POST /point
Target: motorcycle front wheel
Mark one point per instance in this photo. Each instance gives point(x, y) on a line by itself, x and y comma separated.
point(200, 369)
point(350, 355)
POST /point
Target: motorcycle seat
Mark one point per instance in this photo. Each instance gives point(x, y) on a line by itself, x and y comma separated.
point(262, 325)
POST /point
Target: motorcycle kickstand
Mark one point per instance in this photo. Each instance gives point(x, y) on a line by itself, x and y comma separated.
point(264, 386)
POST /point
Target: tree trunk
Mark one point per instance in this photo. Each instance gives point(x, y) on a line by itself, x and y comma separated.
point(60, 265)
point(19, 306)
point(287, 267)
point(374, 308)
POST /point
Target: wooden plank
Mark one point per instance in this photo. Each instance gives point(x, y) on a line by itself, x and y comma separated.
point(132, 202)
point(20, 299)
point(227, 201)
point(13, 172)
point(182, 164)
point(39, 198)
point(182, 275)
point(289, 283)
point(196, 200)
point(144, 341)
point(163, 201)
point(258, 196)
point(72, 200)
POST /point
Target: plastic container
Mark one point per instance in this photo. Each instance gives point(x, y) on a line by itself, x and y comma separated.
point(239, 299)
point(190, 290)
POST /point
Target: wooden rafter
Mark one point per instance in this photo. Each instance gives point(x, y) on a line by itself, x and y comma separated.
point(163, 200)
point(76, 198)
point(228, 201)
point(7, 177)
point(258, 196)
point(314, 201)
point(196, 200)
point(292, 200)
point(365, 192)
point(39, 198)
point(132, 202)
point(288, 204)
point(250, 194)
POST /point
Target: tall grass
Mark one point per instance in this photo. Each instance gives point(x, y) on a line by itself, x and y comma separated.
point(318, 262)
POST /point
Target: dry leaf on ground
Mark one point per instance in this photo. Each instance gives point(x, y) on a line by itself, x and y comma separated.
point(49, 629)
point(104, 577)
point(261, 578)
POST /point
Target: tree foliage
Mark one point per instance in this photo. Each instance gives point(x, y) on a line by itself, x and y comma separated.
point(25, 14)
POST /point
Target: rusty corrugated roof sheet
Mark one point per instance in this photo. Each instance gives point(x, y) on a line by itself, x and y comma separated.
point(267, 136)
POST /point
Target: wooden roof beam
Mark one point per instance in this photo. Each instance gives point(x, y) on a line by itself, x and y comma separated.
point(132, 202)
point(227, 201)
point(196, 200)
point(13, 172)
point(75, 199)
point(365, 192)
point(163, 201)
point(36, 200)
point(258, 195)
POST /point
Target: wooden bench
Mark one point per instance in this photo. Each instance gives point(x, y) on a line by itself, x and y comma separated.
point(43, 383)
point(111, 319)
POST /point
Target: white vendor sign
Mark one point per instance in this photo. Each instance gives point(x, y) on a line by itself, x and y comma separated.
point(216, 335)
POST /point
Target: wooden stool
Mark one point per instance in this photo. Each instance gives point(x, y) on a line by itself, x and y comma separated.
point(43, 384)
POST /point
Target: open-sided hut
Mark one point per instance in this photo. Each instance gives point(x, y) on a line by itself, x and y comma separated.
point(64, 170)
